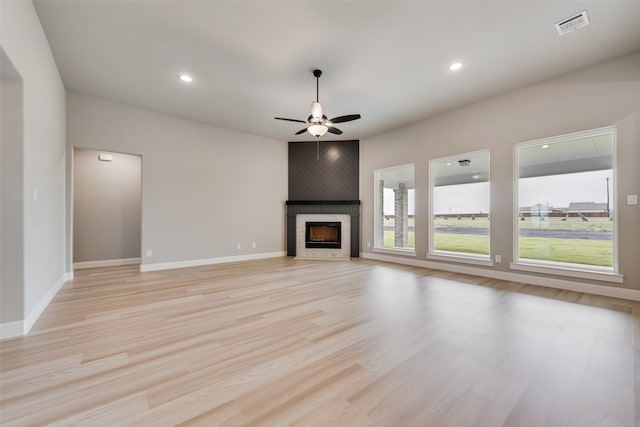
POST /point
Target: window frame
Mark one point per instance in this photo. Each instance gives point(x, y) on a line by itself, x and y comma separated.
point(583, 271)
point(462, 257)
point(408, 251)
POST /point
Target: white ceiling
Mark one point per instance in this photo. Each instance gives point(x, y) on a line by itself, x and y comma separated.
point(388, 61)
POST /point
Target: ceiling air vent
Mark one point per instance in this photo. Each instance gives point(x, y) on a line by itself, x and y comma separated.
point(572, 23)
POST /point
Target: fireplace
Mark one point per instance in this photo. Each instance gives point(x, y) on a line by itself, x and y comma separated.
point(326, 235)
point(346, 213)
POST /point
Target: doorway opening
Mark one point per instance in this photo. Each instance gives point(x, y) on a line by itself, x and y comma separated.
point(107, 208)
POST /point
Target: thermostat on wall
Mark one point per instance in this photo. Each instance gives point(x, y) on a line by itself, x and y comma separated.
point(105, 157)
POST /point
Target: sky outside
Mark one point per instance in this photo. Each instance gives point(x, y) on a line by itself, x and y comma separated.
point(560, 190)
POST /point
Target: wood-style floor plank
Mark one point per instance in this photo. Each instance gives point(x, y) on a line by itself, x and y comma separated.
point(284, 342)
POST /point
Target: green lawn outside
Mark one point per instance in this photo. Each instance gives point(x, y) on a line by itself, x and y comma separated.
point(466, 243)
point(590, 252)
point(573, 224)
point(389, 237)
point(576, 251)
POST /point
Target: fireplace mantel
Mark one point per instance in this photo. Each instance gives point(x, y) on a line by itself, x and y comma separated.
point(345, 207)
point(323, 202)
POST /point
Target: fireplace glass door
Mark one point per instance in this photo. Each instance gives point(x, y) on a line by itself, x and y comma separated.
point(323, 235)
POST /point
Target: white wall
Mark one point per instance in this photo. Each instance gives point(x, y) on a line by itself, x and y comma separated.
point(25, 44)
point(602, 95)
point(204, 189)
point(11, 214)
point(107, 206)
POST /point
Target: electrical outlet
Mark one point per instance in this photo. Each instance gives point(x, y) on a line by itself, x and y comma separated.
point(368, 244)
point(253, 245)
point(498, 258)
point(149, 253)
point(239, 246)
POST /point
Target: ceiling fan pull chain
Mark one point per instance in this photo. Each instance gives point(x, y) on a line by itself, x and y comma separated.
point(317, 148)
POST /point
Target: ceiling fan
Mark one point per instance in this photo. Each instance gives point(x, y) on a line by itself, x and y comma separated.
point(317, 122)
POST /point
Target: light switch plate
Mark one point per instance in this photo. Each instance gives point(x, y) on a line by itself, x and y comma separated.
point(632, 199)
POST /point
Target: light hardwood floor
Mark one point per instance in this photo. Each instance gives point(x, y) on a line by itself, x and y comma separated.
point(283, 342)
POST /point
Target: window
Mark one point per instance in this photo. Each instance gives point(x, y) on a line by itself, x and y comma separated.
point(459, 204)
point(395, 208)
point(566, 201)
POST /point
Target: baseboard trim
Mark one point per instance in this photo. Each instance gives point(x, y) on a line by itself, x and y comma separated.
point(11, 329)
point(42, 305)
point(208, 261)
point(105, 263)
point(567, 285)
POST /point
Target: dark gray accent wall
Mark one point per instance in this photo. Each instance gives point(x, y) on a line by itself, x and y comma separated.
point(335, 176)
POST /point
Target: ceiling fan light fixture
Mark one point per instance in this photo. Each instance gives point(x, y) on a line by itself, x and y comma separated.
point(318, 124)
point(316, 110)
point(317, 130)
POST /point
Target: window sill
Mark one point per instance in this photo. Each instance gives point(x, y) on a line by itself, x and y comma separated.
point(396, 251)
point(458, 257)
point(568, 270)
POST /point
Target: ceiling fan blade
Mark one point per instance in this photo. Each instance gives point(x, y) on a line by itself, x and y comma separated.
point(290, 120)
point(333, 130)
point(301, 131)
point(347, 118)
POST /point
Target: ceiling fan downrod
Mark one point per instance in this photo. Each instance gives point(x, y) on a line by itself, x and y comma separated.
point(317, 74)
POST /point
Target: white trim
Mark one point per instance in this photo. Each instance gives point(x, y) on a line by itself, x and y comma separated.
point(31, 319)
point(553, 269)
point(483, 260)
point(208, 261)
point(105, 263)
point(609, 291)
point(396, 251)
point(11, 329)
point(515, 214)
point(573, 135)
point(432, 216)
point(378, 235)
point(545, 268)
point(68, 276)
point(614, 190)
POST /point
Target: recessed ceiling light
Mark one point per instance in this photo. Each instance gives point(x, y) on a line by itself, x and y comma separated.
point(545, 146)
point(448, 163)
point(455, 66)
point(186, 78)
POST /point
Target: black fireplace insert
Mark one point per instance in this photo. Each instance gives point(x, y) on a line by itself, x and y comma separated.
point(327, 235)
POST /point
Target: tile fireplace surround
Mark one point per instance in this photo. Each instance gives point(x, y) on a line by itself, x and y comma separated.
point(322, 253)
point(345, 211)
